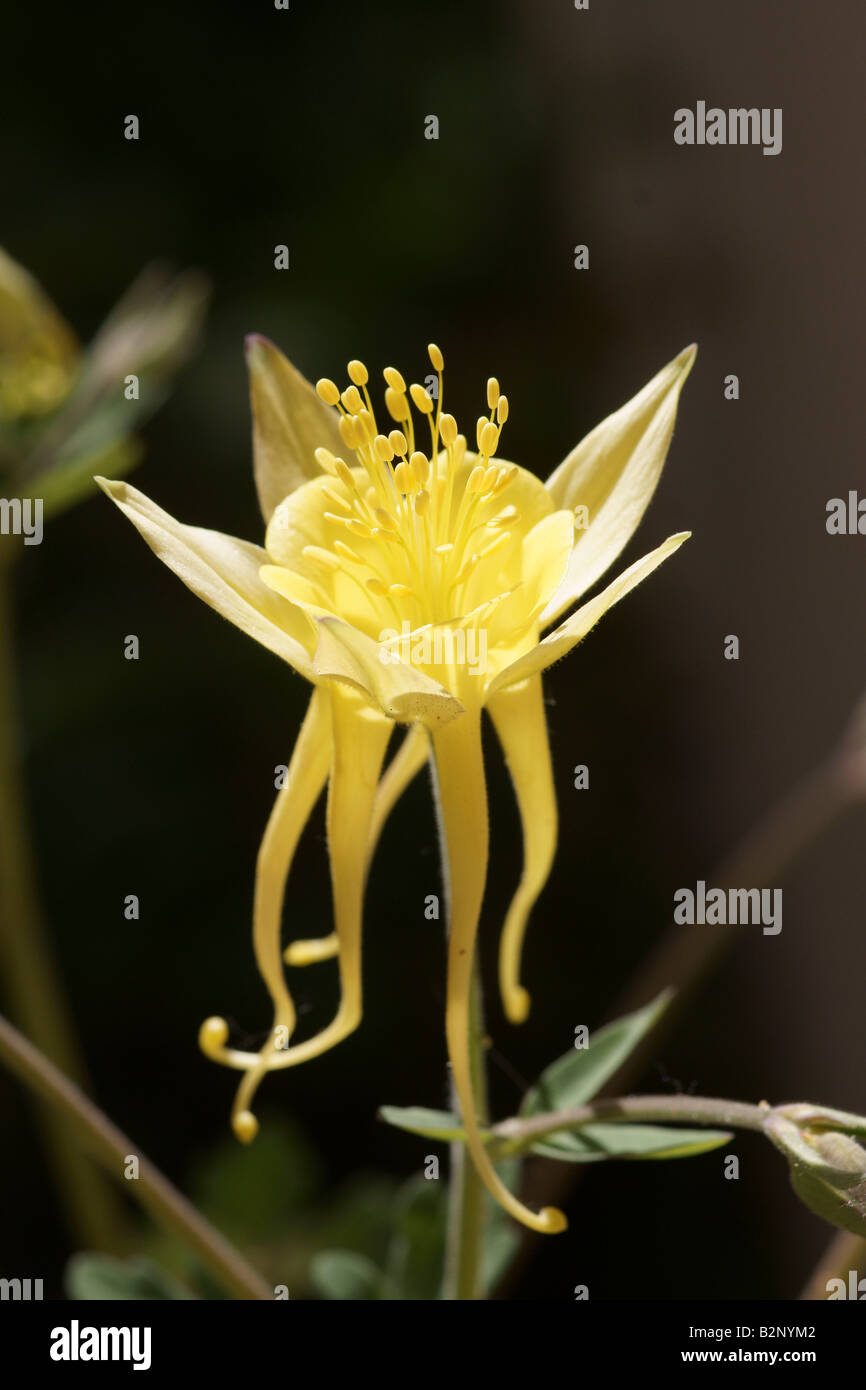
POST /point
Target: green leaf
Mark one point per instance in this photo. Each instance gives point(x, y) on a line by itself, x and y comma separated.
point(593, 1143)
point(416, 1252)
point(838, 1198)
point(91, 1278)
point(432, 1124)
point(255, 1193)
point(578, 1076)
point(345, 1276)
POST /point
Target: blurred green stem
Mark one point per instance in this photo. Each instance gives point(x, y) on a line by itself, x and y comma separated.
point(467, 1206)
point(29, 977)
point(94, 1132)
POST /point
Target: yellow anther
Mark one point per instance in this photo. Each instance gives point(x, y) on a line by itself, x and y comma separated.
point(444, 549)
point(422, 503)
point(398, 442)
point(420, 465)
point(367, 424)
point(490, 477)
point(480, 425)
point(358, 528)
point(245, 1126)
point(422, 398)
point(396, 404)
point(502, 410)
point(437, 361)
point(459, 448)
point(377, 587)
point(404, 478)
point(371, 497)
point(323, 558)
point(344, 473)
point(448, 429)
point(393, 537)
point(347, 552)
point(492, 392)
point(505, 517)
point(349, 431)
point(400, 591)
point(327, 390)
point(394, 380)
point(351, 399)
point(358, 372)
point(385, 519)
point(492, 546)
point(335, 497)
point(325, 459)
point(384, 448)
point(489, 439)
point(505, 476)
point(475, 479)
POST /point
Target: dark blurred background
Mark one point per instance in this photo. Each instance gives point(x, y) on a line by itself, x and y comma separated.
point(306, 127)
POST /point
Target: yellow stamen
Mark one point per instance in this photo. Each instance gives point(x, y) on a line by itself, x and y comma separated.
point(327, 391)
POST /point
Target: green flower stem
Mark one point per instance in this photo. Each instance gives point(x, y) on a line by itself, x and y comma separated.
point(467, 1207)
point(515, 1136)
point(27, 971)
point(101, 1139)
point(845, 1252)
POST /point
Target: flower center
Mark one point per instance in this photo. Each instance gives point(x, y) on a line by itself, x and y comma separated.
point(444, 557)
point(433, 517)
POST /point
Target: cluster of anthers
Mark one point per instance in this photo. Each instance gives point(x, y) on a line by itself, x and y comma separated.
point(435, 520)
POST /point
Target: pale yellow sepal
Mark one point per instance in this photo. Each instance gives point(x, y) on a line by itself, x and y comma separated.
point(289, 423)
point(613, 473)
point(557, 643)
point(224, 572)
point(399, 691)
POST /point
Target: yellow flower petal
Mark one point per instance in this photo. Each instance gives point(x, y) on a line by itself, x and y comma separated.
point(224, 572)
point(575, 628)
point(613, 473)
point(359, 740)
point(407, 761)
point(410, 757)
point(401, 692)
point(463, 811)
point(289, 423)
point(307, 773)
point(518, 714)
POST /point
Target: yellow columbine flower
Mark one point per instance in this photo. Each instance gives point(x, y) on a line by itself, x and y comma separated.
point(389, 568)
